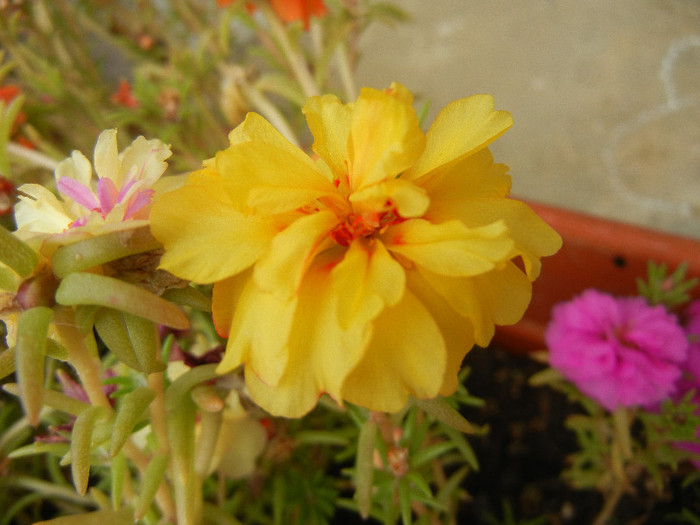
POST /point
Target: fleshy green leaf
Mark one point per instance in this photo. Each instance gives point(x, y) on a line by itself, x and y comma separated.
point(88, 253)
point(189, 296)
point(87, 288)
point(30, 352)
point(16, 254)
point(7, 358)
point(81, 441)
point(129, 412)
point(155, 473)
point(132, 339)
point(53, 399)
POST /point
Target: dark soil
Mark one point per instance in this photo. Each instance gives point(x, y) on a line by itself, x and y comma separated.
point(526, 449)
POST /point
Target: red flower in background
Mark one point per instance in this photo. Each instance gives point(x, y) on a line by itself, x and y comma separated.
point(290, 10)
point(124, 96)
point(7, 95)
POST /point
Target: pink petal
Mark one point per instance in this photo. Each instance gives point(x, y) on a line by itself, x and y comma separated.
point(75, 191)
point(141, 199)
point(107, 192)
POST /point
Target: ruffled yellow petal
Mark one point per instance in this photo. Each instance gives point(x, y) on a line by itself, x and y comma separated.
point(256, 128)
point(401, 93)
point(406, 198)
point(450, 248)
point(224, 299)
point(460, 129)
point(205, 238)
point(406, 357)
point(329, 121)
point(269, 180)
point(259, 333)
point(456, 330)
point(365, 282)
point(321, 353)
point(472, 177)
point(385, 138)
point(291, 252)
point(499, 297)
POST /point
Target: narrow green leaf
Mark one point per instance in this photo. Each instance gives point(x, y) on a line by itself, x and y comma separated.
point(427, 454)
point(442, 411)
point(129, 412)
point(452, 485)
point(86, 254)
point(364, 467)
point(155, 472)
point(81, 440)
point(123, 516)
point(30, 352)
point(87, 288)
point(405, 501)
point(16, 254)
point(117, 471)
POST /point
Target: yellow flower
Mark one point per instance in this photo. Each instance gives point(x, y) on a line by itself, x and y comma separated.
point(119, 199)
point(368, 272)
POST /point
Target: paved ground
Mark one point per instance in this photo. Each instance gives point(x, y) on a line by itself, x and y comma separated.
point(605, 95)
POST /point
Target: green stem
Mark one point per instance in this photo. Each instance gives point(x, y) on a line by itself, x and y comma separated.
point(346, 76)
point(34, 157)
point(296, 61)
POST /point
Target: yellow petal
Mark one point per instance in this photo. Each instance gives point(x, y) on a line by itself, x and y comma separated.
point(207, 239)
point(457, 331)
point(400, 92)
point(365, 282)
point(291, 252)
point(450, 248)
point(225, 295)
point(385, 138)
point(146, 158)
point(38, 210)
point(271, 180)
point(77, 167)
point(106, 156)
point(460, 129)
point(472, 177)
point(259, 333)
point(329, 122)
point(406, 198)
point(406, 356)
point(499, 297)
point(256, 128)
point(320, 352)
point(533, 238)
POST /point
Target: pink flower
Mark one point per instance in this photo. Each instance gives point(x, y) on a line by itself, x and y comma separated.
point(691, 369)
point(618, 351)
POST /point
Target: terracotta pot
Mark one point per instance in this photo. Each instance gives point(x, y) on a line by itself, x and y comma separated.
point(597, 253)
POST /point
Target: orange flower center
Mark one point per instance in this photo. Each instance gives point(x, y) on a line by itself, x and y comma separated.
point(355, 225)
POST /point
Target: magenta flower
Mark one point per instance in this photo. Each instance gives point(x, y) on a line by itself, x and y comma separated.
point(691, 370)
point(618, 351)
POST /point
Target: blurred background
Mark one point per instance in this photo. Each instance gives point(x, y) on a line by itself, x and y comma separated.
point(605, 95)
